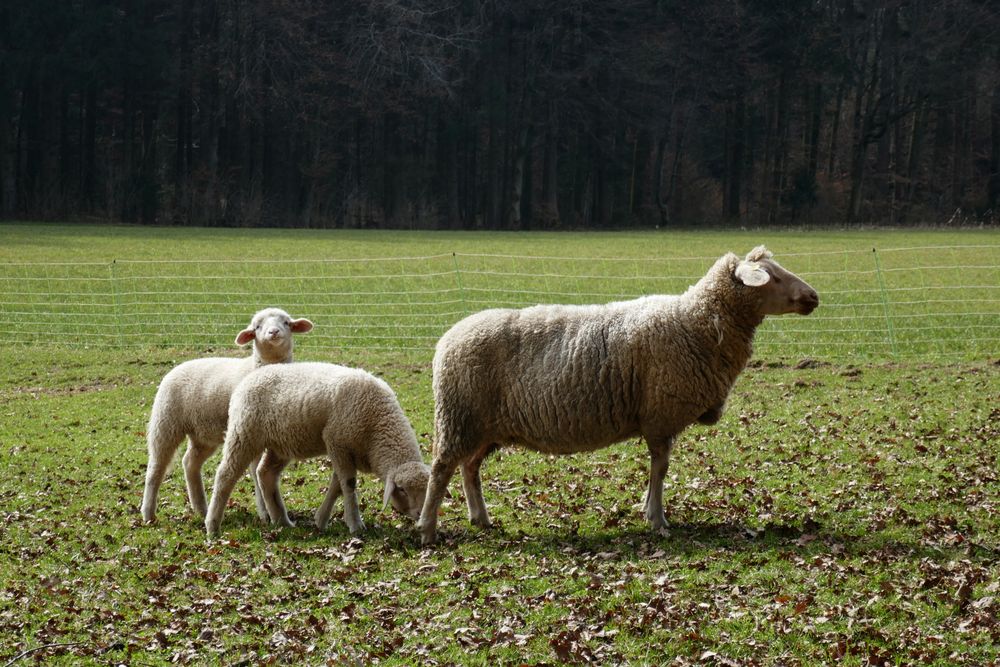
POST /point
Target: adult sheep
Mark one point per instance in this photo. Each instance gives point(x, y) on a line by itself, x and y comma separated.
point(566, 379)
point(193, 400)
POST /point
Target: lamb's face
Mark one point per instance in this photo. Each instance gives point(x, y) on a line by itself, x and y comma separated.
point(780, 291)
point(271, 332)
point(406, 488)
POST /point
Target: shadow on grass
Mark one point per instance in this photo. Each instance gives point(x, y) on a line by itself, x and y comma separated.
point(696, 539)
point(634, 541)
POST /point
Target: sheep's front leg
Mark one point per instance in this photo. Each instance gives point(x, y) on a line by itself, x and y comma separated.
point(268, 477)
point(333, 491)
point(235, 459)
point(194, 459)
point(344, 470)
point(437, 486)
point(472, 484)
point(659, 458)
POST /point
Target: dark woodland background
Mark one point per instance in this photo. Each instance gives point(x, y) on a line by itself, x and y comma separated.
point(477, 114)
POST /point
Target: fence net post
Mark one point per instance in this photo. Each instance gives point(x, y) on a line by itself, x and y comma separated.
point(885, 304)
point(458, 281)
point(116, 303)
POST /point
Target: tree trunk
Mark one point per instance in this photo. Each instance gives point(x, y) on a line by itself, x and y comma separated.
point(7, 177)
point(88, 161)
point(780, 149)
point(734, 171)
point(831, 166)
point(994, 182)
point(549, 212)
point(815, 123)
point(182, 155)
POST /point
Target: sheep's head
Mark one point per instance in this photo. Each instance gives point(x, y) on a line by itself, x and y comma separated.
point(780, 291)
point(406, 487)
point(271, 331)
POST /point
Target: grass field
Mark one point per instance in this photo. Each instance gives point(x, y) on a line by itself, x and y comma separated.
point(843, 511)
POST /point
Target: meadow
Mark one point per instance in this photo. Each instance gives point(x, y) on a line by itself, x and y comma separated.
point(843, 511)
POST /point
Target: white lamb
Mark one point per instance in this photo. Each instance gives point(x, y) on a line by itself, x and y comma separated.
point(193, 401)
point(565, 379)
point(302, 410)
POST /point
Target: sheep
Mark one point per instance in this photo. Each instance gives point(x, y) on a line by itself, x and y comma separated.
point(565, 379)
point(303, 410)
point(193, 400)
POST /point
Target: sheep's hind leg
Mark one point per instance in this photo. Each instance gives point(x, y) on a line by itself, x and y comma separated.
point(437, 486)
point(659, 459)
point(163, 443)
point(333, 491)
point(268, 477)
point(235, 460)
point(194, 459)
point(472, 484)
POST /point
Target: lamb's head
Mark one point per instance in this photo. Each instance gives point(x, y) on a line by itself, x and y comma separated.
point(405, 488)
point(271, 331)
point(778, 290)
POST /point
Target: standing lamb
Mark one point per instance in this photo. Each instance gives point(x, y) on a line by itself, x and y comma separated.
point(565, 379)
point(193, 401)
point(303, 410)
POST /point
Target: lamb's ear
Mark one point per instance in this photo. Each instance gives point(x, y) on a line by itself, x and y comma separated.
point(301, 325)
point(245, 336)
point(390, 487)
point(751, 274)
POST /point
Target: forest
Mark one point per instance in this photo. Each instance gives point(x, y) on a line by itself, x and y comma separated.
point(500, 114)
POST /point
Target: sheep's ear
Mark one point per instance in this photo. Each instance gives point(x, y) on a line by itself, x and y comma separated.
point(751, 274)
point(390, 487)
point(301, 325)
point(245, 336)
point(758, 254)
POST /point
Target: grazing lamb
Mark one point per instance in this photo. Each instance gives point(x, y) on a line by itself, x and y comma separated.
point(193, 401)
point(302, 410)
point(565, 379)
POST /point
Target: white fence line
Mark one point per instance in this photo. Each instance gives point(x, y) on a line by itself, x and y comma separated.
point(871, 305)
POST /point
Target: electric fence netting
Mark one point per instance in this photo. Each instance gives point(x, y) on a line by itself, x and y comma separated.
point(892, 303)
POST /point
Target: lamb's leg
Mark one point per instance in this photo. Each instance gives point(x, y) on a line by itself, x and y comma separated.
point(333, 491)
point(194, 459)
point(344, 470)
point(235, 459)
point(472, 483)
point(269, 476)
point(659, 458)
point(162, 442)
point(437, 486)
point(258, 495)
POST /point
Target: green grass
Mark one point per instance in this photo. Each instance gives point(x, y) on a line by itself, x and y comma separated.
point(844, 512)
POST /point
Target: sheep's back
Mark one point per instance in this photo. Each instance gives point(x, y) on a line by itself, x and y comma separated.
point(195, 395)
point(558, 379)
point(296, 409)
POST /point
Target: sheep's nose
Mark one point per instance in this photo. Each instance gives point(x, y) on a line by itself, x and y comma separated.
point(273, 332)
point(808, 302)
